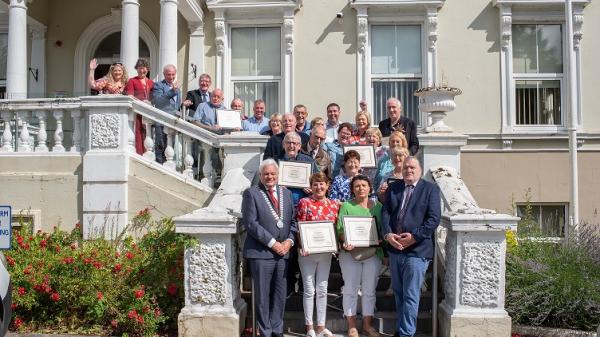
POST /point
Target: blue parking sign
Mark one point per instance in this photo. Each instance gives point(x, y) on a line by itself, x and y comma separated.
point(5, 226)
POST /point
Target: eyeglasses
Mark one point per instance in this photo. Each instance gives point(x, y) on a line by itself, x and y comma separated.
point(292, 143)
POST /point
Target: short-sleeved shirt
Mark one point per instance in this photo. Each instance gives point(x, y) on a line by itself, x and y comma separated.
point(310, 209)
point(206, 113)
point(353, 209)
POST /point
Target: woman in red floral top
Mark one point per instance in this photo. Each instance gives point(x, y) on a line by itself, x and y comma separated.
point(113, 83)
point(315, 267)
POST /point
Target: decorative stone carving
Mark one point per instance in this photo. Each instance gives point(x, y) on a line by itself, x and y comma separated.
point(450, 275)
point(577, 30)
point(480, 270)
point(208, 273)
point(507, 144)
point(506, 34)
point(432, 35)
point(288, 35)
point(220, 36)
point(105, 129)
point(363, 31)
point(580, 142)
point(456, 195)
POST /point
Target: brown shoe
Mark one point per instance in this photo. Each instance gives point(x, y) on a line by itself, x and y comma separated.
point(353, 333)
point(371, 332)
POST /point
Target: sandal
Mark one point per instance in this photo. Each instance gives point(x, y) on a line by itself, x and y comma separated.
point(325, 333)
point(311, 333)
point(353, 333)
point(371, 332)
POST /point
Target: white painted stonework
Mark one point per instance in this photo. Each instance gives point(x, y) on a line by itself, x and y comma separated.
point(105, 130)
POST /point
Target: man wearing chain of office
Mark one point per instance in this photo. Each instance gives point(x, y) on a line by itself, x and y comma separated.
point(269, 220)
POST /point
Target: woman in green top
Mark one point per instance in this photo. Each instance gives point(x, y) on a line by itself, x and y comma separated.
point(360, 266)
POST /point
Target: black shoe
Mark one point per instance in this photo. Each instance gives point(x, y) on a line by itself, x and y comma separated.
point(277, 334)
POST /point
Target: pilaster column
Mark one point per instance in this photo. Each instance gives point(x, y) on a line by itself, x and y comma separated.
point(196, 54)
point(130, 37)
point(16, 64)
point(37, 83)
point(221, 44)
point(168, 33)
point(288, 60)
point(432, 37)
point(362, 70)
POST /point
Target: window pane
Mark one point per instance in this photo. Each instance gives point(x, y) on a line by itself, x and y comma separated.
point(537, 49)
point(396, 49)
point(248, 92)
point(3, 55)
point(538, 102)
point(533, 217)
point(403, 90)
point(243, 47)
point(553, 220)
point(269, 51)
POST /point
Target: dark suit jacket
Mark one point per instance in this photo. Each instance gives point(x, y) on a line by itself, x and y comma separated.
point(274, 148)
point(421, 218)
point(260, 224)
point(196, 97)
point(409, 129)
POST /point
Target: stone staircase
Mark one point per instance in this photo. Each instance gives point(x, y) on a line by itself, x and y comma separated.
point(385, 307)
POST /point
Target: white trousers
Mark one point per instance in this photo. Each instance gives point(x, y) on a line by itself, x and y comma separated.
point(361, 275)
point(315, 273)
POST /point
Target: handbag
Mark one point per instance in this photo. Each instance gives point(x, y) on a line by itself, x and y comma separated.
point(363, 253)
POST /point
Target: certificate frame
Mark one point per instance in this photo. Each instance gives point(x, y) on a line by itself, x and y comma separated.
point(294, 174)
point(355, 229)
point(309, 230)
point(229, 119)
point(367, 154)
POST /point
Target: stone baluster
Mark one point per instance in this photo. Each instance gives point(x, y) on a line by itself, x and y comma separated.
point(169, 151)
point(148, 142)
point(58, 134)
point(7, 134)
point(188, 160)
point(76, 116)
point(130, 132)
point(207, 168)
point(24, 141)
point(42, 145)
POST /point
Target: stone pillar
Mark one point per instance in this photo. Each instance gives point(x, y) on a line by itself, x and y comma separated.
point(16, 60)
point(130, 37)
point(241, 149)
point(105, 166)
point(168, 34)
point(213, 305)
point(475, 275)
point(38, 62)
point(196, 54)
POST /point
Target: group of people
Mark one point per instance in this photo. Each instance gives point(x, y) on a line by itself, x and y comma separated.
point(407, 214)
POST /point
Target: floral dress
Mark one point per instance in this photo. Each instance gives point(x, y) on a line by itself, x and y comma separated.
point(310, 209)
point(103, 86)
point(340, 188)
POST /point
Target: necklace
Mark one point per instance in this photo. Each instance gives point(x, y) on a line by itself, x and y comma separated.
point(273, 212)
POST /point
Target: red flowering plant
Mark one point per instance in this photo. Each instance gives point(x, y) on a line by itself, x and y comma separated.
point(62, 283)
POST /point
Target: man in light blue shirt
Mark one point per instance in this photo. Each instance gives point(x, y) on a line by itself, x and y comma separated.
point(333, 122)
point(257, 123)
point(206, 113)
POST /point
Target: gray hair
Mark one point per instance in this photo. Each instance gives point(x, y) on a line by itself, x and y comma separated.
point(413, 158)
point(169, 66)
point(267, 162)
point(290, 135)
point(395, 101)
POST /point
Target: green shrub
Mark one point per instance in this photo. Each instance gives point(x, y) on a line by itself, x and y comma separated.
point(553, 285)
point(64, 284)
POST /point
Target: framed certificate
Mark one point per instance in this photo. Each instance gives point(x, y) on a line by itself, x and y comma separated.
point(317, 236)
point(229, 119)
point(294, 174)
point(361, 231)
point(367, 154)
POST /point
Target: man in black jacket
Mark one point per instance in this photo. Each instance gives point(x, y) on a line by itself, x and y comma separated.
point(397, 122)
point(193, 98)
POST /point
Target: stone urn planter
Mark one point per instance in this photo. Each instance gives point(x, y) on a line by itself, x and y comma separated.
point(437, 101)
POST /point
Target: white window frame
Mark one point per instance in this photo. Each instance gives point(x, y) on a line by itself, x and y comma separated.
point(231, 13)
point(230, 85)
point(537, 12)
point(396, 12)
point(421, 122)
point(537, 204)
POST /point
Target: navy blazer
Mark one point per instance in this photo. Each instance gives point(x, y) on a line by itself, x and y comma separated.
point(261, 225)
point(421, 219)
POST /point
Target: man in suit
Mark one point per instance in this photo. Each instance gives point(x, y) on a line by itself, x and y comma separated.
point(274, 148)
point(314, 149)
point(397, 122)
point(193, 98)
point(166, 96)
point(410, 217)
point(269, 219)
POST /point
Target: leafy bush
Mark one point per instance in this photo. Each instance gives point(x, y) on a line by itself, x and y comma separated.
point(65, 284)
point(553, 285)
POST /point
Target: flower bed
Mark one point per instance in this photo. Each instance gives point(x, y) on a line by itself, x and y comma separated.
point(64, 284)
